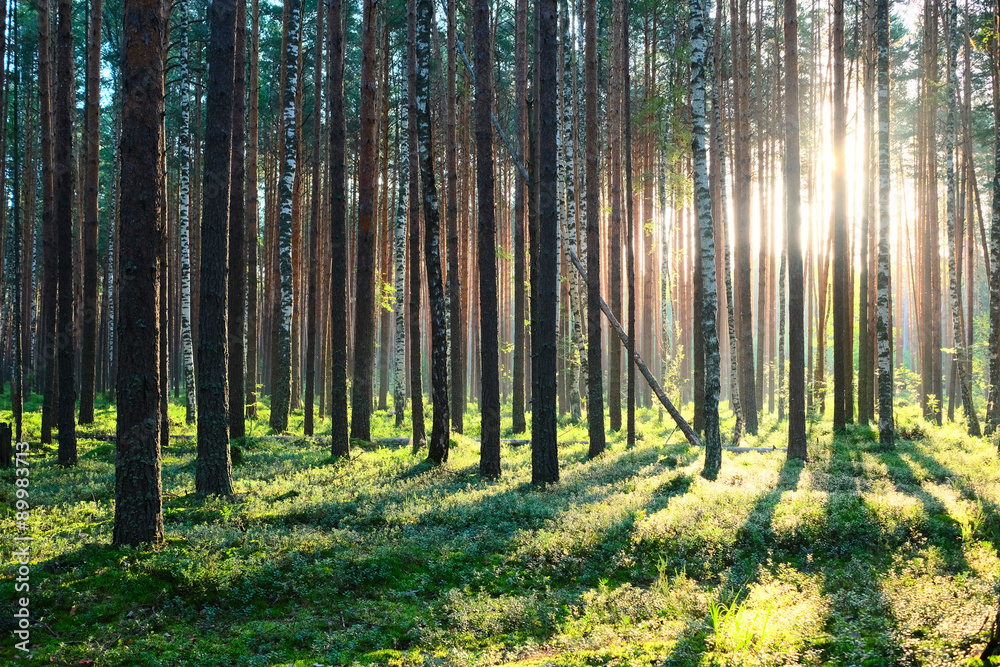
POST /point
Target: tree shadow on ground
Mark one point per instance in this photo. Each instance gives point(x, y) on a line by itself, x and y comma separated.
point(754, 546)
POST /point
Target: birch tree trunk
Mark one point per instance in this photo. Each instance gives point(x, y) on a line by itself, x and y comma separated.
point(958, 325)
point(399, 249)
point(438, 445)
point(281, 375)
point(993, 406)
point(416, 372)
point(886, 427)
point(576, 349)
point(703, 200)
point(184, 214)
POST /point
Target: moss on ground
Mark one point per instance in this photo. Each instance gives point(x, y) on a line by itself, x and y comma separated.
point(861, 556)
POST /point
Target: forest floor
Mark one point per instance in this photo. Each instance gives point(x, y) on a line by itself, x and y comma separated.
point(861, 556)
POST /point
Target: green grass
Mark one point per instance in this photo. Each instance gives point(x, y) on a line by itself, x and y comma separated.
point(859, 557)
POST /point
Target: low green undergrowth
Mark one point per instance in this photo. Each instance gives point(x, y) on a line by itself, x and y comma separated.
point(862, 556)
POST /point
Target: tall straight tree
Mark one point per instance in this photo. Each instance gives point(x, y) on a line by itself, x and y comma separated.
point(958, 323)
point(489, 457)
point(214, 473)
point(703, 201)
point(520, 190)
point(438, 445)
point(50, 262)
point(340, 443)
point(865, 370)
point(364, 293)
point(544, 305)
point(454, 282)
point(138, 494)
point(993, 405)
point(65, 178)
point(399, 250)
point(314, 219)
point(184, 213)
point(842, 328)
point(615, 220)
point(793, 226)
point(630, 241)
point(741, 196)
point(575, 346)
point(281, 374)
point(253, 224)
point(92, 113)
point(236, 319)
point(413, 231)
point(595, 390)
point(886, 428)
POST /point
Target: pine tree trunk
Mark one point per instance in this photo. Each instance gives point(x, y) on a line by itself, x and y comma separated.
point(595, 398)
point(954, 254)
point(364, 298)
point(63, 188)
point(630, 239)
point(138, 511)
point(489, 461)
point(544, 305)
point(842, 327)
point(743, 296)
point(865, 389)
point(340, 443)
point(885, 417)
point(614, 119)
point(703, 200)
point(214, 474)
point(252, 220)
point(793, 222)
point(236, 319)
point(457, 340)
point(312, 314)
point(520, 190)
point(93, 136)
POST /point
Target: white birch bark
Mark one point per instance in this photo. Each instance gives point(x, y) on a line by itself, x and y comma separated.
point(703, 200)
point(281, 391)
point(399, 241)
point(886, 425)
point(187, 343)
point(576, 349)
